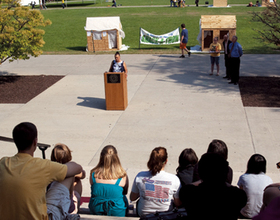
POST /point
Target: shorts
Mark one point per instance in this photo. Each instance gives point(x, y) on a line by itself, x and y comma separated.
point(215, 60)
point(183, 46)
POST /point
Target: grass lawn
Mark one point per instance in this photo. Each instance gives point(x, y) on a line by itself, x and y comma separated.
point(98, 3)
point(67, 34)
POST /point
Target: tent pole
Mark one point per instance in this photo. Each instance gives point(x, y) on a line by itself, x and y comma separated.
point(139, 36)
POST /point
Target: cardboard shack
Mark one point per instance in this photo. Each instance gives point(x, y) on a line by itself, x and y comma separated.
point(216, 26)
point(104, 33)
point(219, 3)
point(268, 3)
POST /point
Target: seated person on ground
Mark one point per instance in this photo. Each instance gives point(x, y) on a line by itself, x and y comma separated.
point(271, 192)
point(24, 179)
point(156, 189)
point(250, 4)
point(218, 147)
point(63, 198)
point(258, 4)
point(271, 202)
point(187, 161)
point(109, 184)
point(253, 182)
point(213, 198)
point(271, 212)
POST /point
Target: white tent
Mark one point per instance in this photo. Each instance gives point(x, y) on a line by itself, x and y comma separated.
point(104, 32)
point(28, 2)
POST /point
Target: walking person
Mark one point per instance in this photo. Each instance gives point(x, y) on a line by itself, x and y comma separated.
point(184, 41)
point(63, 4)
point(114, 3)
point(226, 44)
point(234, 60)
point(44, 4)
point(33, 3)
point(215, 49)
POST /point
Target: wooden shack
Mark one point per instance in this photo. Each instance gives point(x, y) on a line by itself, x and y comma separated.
point(220, 3)
point(104, 33)
point(267, 3)
point(216, 26)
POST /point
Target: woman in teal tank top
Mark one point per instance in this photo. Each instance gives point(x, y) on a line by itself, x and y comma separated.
point(109, 184)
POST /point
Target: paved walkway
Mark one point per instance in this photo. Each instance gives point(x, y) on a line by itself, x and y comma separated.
point(172, 103)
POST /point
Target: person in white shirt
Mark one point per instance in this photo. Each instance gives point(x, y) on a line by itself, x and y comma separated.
point(253, 182)
point(156, 189)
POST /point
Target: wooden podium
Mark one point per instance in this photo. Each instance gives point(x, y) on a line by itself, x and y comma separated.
point(115, 91)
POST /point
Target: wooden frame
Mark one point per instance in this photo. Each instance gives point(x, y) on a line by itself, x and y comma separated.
point(216, 26)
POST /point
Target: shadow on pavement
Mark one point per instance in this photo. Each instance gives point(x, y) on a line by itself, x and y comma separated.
point(92, 102)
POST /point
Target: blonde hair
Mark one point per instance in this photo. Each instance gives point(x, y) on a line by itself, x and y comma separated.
point(61, 154)
point(109, 166)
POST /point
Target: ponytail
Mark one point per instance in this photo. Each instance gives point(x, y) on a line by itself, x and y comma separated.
point(157, 160)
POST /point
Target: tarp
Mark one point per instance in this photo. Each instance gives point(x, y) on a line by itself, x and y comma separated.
point(28, 2)
point(104, 24)
point(172, 37)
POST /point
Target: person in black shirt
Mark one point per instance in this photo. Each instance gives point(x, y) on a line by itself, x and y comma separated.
point(212, 199)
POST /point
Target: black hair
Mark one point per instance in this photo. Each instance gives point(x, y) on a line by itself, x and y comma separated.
point(187, 158)
point(212, 168)
point(183, 25)
point(256, 164)
point(218, 147)
point(24, 134)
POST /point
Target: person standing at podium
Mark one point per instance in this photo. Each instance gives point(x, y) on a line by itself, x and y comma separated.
point(118, 65)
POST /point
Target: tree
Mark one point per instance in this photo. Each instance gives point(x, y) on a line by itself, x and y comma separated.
point(270, 19)
point(20, 36)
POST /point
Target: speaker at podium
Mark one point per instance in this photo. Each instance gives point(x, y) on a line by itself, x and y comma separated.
point(115, 90)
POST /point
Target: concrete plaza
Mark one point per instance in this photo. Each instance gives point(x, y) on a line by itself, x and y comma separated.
point(173, 103)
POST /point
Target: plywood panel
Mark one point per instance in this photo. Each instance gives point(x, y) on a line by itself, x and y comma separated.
point(220, 3)
point(206, 41)
point(119, 41)
point(218, 21)
point(268, 3)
